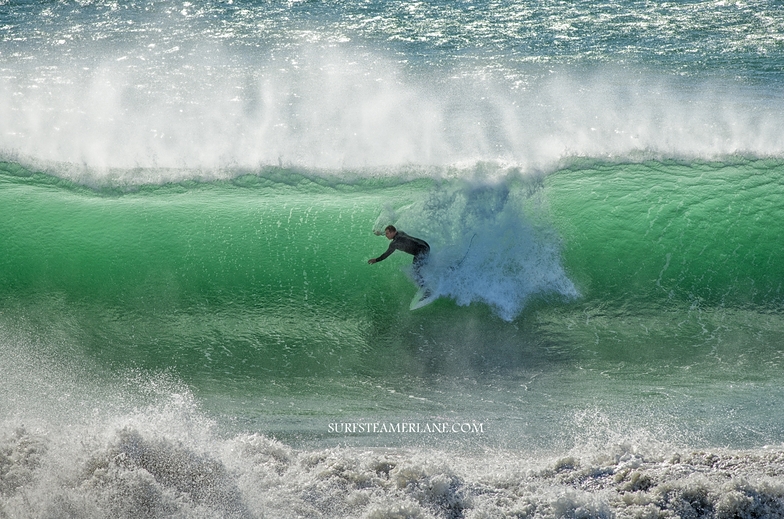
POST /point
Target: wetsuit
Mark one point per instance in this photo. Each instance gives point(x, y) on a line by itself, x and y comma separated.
point(419, 248)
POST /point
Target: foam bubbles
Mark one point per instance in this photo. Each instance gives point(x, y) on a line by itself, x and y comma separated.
point(139, 473)
point(142, 447)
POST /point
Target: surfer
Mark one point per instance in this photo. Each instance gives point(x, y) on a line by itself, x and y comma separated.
point(402, 241)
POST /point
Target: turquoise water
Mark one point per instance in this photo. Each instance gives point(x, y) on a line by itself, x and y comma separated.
point(188, 198)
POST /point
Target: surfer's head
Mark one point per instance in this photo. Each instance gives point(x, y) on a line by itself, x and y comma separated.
point(390, 231)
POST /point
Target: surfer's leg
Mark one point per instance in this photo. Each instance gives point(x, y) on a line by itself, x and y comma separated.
point(419, 262)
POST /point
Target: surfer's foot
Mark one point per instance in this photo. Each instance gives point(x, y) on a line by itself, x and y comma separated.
point(427, 293)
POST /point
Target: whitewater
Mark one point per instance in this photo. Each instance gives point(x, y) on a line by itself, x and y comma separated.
point(189, 194)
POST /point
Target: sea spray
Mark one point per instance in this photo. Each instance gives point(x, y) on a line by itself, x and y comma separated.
point(136, 470)
point(491, 243)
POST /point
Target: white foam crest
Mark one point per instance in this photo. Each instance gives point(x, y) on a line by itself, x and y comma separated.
point(350, 108)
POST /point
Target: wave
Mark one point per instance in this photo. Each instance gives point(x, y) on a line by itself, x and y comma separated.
point(509, 254)
point(135, 472)
point(83, 440)
point(187, 318)
point(694, 231)
point(352, 111)
point(157, 337)
point(687, 231)
point(271, 267)
point(166, 459)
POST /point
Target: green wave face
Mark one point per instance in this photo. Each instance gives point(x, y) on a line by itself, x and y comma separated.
point(596, 265)
point(654, 233)
point(678, 266)
point(190, 277)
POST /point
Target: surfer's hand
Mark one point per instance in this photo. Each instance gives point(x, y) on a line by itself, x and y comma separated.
point(371, 261)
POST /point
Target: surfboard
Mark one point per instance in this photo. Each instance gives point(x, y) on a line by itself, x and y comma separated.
point(423, 297)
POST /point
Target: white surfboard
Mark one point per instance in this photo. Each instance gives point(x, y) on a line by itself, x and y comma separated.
point(423, 297)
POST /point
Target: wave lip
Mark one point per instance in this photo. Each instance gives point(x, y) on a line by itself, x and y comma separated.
point(370, 114)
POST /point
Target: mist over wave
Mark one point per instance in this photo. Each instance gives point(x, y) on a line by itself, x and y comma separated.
point(341, 109)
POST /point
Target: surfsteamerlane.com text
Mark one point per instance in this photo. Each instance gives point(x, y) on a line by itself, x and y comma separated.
point(406, 428)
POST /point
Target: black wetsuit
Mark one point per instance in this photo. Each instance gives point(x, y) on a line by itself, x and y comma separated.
point(419, 248)
point(406, 243)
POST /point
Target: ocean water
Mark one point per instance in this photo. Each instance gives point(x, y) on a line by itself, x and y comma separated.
point(188, 197)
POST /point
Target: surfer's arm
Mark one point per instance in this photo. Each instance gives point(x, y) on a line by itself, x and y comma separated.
point(384, 256)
